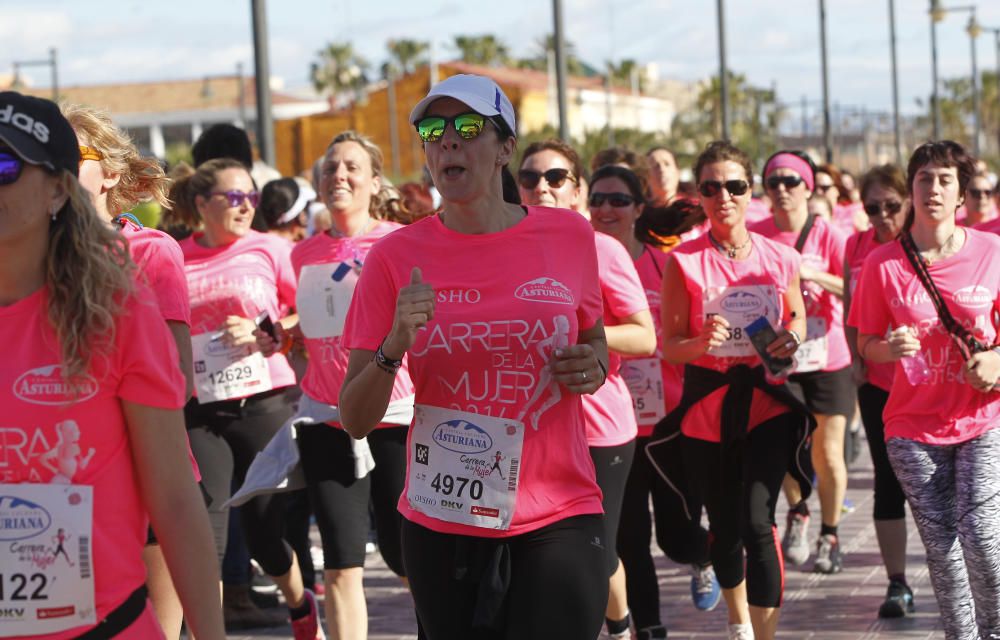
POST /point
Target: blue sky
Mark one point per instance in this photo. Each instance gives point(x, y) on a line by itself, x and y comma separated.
point(771, 41)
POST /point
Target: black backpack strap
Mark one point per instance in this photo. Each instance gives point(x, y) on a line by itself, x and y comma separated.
point(804, 234)
point(954, 327)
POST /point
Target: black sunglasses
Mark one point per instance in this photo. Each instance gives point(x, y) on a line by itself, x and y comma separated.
point(555, 178)
point(10, 167)
point(790, 182)
point(875, 208)
point(616, 199)
point(823, 188)
point(980, 193)
point(711, 188)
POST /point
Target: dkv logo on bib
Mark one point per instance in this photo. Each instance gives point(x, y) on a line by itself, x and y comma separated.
point(545, 289)
point(20, 518)
point(462, 436)
point(46, 385)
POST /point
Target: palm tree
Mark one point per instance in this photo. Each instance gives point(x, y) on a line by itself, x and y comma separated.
point(540, 61)
point(339, 71)
point(485, 50)
point(407, 54)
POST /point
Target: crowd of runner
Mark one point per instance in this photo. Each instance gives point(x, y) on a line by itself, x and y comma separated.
point(510, 377)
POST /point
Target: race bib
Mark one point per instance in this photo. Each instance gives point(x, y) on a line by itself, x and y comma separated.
point(644, 377)
point(224, 373)
point(46, 576)
point(464, 466)
point(813, 352)
point(323, 296)
point(740, 305)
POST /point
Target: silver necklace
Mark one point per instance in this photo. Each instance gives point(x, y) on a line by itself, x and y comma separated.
point(732, 251)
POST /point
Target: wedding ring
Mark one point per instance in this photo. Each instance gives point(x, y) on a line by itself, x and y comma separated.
point(584, 374)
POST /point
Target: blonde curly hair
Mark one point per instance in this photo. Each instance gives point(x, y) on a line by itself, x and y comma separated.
point(89, 275)
point(141, 179)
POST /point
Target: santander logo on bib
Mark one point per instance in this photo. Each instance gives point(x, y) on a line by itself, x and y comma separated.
point(462, 436)
point(46, 385)
point(545, 290)
point(974, 296)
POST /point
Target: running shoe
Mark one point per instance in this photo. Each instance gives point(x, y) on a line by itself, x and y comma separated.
point(898, 601)
point(308, 627)
point(827, 555)
point(658, 632)
point(741, 632)
point(705, 589)
point(795, 542)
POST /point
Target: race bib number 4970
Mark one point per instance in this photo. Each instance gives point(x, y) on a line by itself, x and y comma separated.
point(46, 576)
point(464, 466)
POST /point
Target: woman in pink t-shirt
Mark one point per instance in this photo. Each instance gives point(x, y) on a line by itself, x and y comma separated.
point(939, 292)
point(239, 279)
point(739, 431)
point(498, 310)
point(883, 191)
point(655, 388)
point(327, 267)
point(822, 376)
point(90, 379)
point(119, 178)
point(548, 176)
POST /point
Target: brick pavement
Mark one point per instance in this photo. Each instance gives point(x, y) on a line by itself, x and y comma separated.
point(817, 607)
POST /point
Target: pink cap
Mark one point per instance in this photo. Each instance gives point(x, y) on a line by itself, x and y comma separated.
point(796, 164)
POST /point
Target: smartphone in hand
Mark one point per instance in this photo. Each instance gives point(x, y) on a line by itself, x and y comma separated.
point(761, 334)
point(263, 322)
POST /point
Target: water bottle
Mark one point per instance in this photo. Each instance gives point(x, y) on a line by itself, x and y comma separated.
point(915, 367)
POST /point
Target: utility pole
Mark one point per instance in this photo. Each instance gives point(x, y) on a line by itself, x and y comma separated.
point(262, 73)
point(560, 44)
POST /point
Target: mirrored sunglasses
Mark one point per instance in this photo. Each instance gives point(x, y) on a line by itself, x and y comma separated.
point(236, 197)
point(467, 126)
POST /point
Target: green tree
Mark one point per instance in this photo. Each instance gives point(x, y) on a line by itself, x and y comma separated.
point(754, 117)
point(957, 117)
point(621, 73)
point(339, 71)
point(485, 50)
point(540, 60)
point(407, 54)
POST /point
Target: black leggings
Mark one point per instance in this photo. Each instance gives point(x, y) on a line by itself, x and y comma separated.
point(233, 433)
point(340, 501)
point(612, 464)
point(558, 583)
point(682, 539)
point(741, 515)
point(889, 498)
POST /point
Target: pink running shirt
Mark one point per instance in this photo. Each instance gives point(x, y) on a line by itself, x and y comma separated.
point(858, 247)
point(243, 278)
point(991, 226)
point(321, 256)
point(743, 290)
point(823, 251)
point(608, 413)
point(49, 439)
point(945, 410)
point(650, 267)
point(503, 301)
point(161, 267)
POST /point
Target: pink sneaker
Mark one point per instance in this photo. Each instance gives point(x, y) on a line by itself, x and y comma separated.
point(309, 628)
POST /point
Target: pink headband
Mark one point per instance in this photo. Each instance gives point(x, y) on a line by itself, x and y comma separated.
point(796, 164)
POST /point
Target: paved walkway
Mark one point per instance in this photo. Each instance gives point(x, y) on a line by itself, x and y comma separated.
point(839, 607)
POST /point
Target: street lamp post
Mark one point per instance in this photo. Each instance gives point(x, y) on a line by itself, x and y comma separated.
point(723, 72)
point(49, 62)
point(938, 14)
point(897, 134)
point(996, 38)
point(827, 131)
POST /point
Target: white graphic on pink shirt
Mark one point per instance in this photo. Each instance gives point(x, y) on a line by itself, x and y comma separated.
point(64, 458)
point(546, 347)
point(545, 290)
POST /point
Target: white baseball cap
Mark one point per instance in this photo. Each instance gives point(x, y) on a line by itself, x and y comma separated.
point(484, 96)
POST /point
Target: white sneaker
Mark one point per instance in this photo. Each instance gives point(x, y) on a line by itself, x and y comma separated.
point(741, 632)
